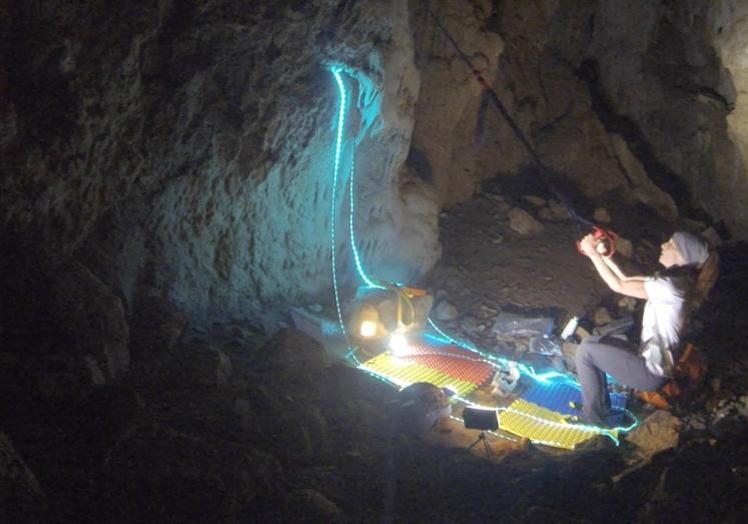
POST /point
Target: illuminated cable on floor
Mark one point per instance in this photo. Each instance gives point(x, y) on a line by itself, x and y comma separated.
point(488, 358)
point(530, 372)
point(494, 359)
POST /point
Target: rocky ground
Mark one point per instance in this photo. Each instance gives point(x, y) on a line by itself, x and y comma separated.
point(512, 249)
point(228, 426)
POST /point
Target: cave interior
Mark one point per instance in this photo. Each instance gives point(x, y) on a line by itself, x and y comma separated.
point(217, 214)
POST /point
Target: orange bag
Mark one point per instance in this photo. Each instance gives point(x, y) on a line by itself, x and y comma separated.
point(690, 371)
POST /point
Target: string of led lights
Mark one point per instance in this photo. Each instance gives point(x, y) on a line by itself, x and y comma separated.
point(497, 361)
point(489, 358)
point(352, 225)
point(567, 424)
point(587, 428)
point(559, 427)
point(543, 378)
point(333, 208)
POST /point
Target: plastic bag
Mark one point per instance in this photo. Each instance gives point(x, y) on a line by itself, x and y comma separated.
point(505, 379)
point(511, 324)
point(545, 345)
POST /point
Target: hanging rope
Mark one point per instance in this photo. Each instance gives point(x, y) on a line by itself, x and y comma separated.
point(490, 94)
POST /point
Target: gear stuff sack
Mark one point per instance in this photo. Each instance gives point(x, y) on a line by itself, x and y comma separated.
point(688, 376)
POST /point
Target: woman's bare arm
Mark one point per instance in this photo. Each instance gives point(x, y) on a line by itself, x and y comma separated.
point(617, 270)
point(615, 280)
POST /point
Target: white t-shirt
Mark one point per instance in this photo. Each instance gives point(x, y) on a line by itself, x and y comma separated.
point(663, 320)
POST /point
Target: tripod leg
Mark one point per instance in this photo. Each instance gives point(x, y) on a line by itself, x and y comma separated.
point(488, 448)
point(471, 446)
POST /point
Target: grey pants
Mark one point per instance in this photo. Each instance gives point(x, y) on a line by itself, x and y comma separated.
point(597, 356)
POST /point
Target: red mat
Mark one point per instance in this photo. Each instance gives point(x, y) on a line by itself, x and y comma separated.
point(448, 359)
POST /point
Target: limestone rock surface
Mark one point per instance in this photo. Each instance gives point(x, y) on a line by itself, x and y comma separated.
point(658, 79)
point(189, 147)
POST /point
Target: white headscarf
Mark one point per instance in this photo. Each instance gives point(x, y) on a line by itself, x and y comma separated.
point(693, 249)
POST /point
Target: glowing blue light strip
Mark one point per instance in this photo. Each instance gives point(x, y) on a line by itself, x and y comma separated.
point(492, 359)
point(488, 357)
point(351, 354)
point(610, 433)
point(382, 377)
point(530, 372)
point(338, 145)
point(563, 425)
point(352, 227)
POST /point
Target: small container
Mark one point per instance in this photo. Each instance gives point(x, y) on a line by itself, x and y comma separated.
point(570, 328)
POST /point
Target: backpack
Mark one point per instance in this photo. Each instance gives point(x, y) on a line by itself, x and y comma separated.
point(688, 376)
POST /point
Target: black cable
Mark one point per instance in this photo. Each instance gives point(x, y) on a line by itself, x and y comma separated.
point(563, 199)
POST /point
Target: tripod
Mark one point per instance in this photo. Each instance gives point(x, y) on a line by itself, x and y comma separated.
point(482, 437)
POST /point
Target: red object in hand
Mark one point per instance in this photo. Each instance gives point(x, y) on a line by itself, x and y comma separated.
point(605, 242)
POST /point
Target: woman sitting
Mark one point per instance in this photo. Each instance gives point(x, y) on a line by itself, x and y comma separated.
point(690, 271)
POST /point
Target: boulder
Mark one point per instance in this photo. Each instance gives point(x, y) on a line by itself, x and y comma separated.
point(419, 406)
point(523, 223)
point(643, 189)
point(728, 421)
point(743, 405)
point(487, 310)
point(658, 432)
point(446, 311)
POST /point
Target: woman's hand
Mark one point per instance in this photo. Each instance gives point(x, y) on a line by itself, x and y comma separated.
point(609, 272)
point(588, 245)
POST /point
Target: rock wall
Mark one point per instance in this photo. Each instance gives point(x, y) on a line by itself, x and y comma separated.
point(445, 151)
point(665, 88)
point(624, 102)
point(530, 53)
point(729, 21)
point(184, 150)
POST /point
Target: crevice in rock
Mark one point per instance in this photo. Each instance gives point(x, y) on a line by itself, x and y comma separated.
point(419, 163)
point(709, 93)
